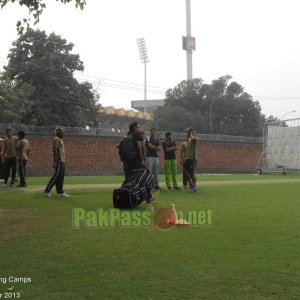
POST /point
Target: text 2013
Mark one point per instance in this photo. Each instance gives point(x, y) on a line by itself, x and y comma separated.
point(10, 295)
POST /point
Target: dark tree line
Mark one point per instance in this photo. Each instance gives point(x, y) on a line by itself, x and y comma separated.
point(221, 107)
point(38, 85)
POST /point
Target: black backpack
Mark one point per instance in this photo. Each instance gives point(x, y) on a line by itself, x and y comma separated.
point(127, 149)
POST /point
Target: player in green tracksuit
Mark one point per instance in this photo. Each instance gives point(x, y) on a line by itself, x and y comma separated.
point(170, 148)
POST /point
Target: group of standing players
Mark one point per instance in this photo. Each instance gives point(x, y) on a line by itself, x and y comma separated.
point(16, 150)
point(148, 158)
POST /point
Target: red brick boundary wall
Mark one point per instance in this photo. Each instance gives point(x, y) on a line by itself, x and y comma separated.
point(97, 155)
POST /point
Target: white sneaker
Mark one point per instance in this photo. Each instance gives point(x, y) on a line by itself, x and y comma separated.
point(47, 194)
point(63, 195)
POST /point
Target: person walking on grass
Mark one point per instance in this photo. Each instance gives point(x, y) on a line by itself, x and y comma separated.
point(169, 146)
point(23, 152)
point(58, 165)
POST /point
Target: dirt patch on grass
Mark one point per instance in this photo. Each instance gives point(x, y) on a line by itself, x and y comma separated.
point(88, 186)
point(14, 223)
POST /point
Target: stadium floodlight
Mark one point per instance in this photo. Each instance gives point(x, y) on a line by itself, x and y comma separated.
point(144, 59)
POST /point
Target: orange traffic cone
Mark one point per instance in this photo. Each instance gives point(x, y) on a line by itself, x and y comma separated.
point(173, 216)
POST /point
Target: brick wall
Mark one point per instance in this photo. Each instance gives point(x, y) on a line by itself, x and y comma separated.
point(92, 155)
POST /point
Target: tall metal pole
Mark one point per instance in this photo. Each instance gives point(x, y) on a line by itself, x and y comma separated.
point(145, 88)
point(189, 52)
point(144, 59)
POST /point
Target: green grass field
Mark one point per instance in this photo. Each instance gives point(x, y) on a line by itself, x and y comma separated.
point(251, 250)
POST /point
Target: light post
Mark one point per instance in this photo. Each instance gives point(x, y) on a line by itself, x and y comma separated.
point(144, 59)
point(282, 123)
point(188, 41)
point(289, 112)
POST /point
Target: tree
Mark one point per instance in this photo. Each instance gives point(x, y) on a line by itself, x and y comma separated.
point(90, 106)
point(222, 104)
point(14, 102)
point(47, 65)
point(175, 115)
point(36, 8)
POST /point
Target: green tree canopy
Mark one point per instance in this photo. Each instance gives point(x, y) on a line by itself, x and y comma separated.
point(46, 64)
point(36, 8)
point(222, 107)
point(14, 102)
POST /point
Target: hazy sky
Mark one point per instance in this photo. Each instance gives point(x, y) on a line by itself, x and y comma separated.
point(255, 41)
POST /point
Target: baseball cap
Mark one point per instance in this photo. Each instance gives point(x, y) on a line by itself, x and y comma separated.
point(189, 130)
point(60, 130)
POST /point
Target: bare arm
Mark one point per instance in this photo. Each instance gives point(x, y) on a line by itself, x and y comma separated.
point(4, 150)
point(55, 154)
point(55, 157)
point(152, 147)
point(171, 149)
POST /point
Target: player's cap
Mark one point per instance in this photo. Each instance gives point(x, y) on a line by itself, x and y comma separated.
point(189, 130)
point(60, 130)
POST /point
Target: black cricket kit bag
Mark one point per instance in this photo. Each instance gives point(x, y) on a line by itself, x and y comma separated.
point(127, 197)
point(134, 191)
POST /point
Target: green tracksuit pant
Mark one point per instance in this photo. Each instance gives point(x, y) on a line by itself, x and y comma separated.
point(170, 172)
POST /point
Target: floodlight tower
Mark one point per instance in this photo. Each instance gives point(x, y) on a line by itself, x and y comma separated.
point(189, 42)
point(144, 59)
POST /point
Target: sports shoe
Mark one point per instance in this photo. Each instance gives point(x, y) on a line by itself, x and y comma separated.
point(47, 194)
point(191, 185)
point(12, 184)
point(21, 185)
point(176, 188)
point(63, 195)
point(3, 185)
point(169, 188)
point(193, 190)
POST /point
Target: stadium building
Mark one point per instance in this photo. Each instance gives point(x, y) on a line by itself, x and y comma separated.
point(150, 105)
point(118, 119)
